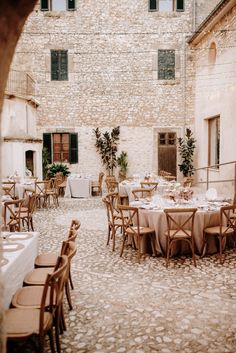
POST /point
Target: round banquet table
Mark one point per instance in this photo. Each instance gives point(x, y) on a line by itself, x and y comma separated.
point(155, 218)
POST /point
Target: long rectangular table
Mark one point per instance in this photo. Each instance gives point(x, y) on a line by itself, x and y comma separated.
point(18, 252)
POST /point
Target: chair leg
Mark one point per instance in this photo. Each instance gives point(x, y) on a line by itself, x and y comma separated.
point(193, 252)
point(114, 239)
point(108, 234)
point(167, 252)
point(68, 297)
point(50, 334)
point(123, 245)
point(70, 279)
point(204, 245)
point(221, 249)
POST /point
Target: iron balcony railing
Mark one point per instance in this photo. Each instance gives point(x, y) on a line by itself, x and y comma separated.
point(209, 169)
point(20, 83)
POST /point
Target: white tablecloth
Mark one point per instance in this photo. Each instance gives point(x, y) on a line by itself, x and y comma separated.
point(78, 187)
point(20, 188)
point(15, 264)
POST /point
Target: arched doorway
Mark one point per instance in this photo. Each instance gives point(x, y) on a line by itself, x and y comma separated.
point(29, 160)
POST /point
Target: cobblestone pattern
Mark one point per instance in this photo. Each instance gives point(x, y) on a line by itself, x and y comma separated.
point(121, 306)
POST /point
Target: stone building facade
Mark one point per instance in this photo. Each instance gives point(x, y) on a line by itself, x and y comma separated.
point(214, 51)
point(113, 68)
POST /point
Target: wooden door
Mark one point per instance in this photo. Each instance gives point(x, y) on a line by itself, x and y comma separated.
point(167, 152)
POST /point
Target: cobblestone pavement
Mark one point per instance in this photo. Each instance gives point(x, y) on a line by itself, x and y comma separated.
point(121, 306)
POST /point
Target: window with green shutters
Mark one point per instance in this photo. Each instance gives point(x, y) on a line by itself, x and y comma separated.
point(59, 65)
point(166, 64)
point(62, 147)
point(166, 5)
point(57, 5)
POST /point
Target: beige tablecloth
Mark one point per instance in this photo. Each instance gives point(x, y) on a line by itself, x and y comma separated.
point(156, 219)
point(15, 264)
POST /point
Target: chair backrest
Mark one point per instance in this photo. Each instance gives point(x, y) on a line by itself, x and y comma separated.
point(72, 234)
point(149, 184)
point(141, 193)
point(111, 202)
point(180, 219)
point(130, 218)
point(12, 210)
point(112, 186)
point(53, 289)
point(75, 224)
point(40, 187)
point(225, 218)
point(31, 203)
point(9, 188)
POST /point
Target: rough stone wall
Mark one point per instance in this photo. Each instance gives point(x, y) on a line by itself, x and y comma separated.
point(113, 81)
point(203, 8)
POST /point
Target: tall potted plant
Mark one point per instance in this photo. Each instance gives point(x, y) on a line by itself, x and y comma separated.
point(186, 149)
point(106, 145)
point(122, 162)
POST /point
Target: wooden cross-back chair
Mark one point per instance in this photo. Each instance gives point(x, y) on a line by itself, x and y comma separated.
point(131, 228)
point(149, 185)
point(12, 210)
point(113, 216)
point(141, 193)
point(9, 188)
point(180, 223)
point(112, 186)
point(52, 192)
point(225, 228)
point(40, 192)
point(26, 215)
point(35, 311)
point(97, 185)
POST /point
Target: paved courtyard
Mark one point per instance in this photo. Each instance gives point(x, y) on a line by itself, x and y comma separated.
point(121, 306)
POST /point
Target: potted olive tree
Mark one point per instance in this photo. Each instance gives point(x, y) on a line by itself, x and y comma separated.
point(106, 145)
point(122, 162)
point(186, 149)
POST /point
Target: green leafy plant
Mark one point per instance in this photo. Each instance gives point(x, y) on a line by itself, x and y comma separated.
point(45, 160)
point(58, 167)
point(122, 162)
point(186, 149)
point(106, 145)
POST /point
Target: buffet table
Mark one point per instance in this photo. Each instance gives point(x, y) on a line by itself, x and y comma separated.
point(18, 252)
point(78, 187)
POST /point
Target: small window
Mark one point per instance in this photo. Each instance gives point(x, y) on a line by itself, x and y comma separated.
point(61, 147)
point(57, 5)
point(59, 65)
point(166, 5)
point(166, 64)
point(167, 138)
point(214, 141)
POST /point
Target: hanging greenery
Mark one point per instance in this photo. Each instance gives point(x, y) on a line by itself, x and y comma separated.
point(106, 145)
point(186, 149)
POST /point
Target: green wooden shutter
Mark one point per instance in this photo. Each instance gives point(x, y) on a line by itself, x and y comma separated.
point(63, 65)
point(54, 65)
point(70, 4)
point(73, 148)
point(152, 5)
point(44, 5)
point(47, 143)
point(179, 5)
